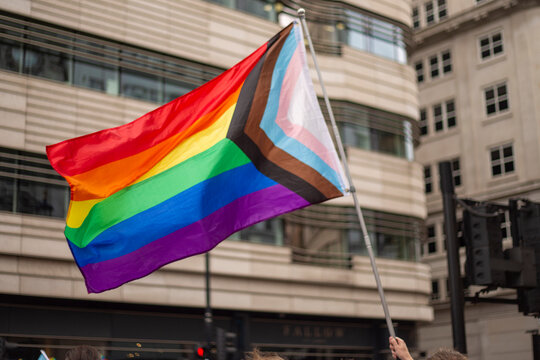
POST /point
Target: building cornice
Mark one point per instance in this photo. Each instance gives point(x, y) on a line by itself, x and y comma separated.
point(470, 18)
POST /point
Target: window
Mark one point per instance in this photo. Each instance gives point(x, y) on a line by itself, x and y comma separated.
point(261, 8)
point(446, 61)
point(266, 232)
point(423, 122)
point(450, 114)
point(435, 11)
point(419, 67)
point(11, 50)
point(496, 99)
point(491, 45)
point(434, 66)
point(102, 65)
point(415, 17)
point(431, 240)
point(502, 160)
point(505, 225)
point(442, 9)
point(139, 85)
point(428, 181)
point(372, 129)
point(432, 247)
point(393, 236)
point(440, 64)
point(91, 73)
point(444, 115)
point(175, 88)
point(438, 117)
point(46, 63)
point(430, 14)
point(364, 32)
point(29, 185)
point(435, 294)
point(456, 172)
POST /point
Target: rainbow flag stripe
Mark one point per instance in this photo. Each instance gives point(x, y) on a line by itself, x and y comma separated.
point(247, 146)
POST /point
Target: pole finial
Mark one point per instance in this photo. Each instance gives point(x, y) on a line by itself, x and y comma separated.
point(301, 12)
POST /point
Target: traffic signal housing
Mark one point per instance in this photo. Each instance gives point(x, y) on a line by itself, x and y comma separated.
point(483, 241)
point(226, 344)
point(2, 347)
point(202, 353)
point(526, 229)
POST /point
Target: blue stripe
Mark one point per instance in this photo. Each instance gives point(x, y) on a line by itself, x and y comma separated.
point(175, 213)
point(275, 133)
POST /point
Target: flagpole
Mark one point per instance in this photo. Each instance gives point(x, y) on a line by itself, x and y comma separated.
point(302, 15)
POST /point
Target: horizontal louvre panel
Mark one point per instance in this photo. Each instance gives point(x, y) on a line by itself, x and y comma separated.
point(340, 217)
point(105, 51)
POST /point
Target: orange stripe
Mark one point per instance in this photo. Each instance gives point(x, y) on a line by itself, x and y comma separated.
point(107, 179)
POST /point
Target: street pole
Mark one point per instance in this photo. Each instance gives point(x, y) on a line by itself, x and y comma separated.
point(452, 253)
point(208, 310)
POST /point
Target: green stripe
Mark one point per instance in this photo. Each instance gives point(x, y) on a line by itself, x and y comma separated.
point(223, 156)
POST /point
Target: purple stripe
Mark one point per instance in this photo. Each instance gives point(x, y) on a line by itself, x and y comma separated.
point(193, 239)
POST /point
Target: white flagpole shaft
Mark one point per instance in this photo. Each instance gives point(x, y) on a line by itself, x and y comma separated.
point(367, 241)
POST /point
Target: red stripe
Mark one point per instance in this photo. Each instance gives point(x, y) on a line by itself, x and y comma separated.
point(84, 153)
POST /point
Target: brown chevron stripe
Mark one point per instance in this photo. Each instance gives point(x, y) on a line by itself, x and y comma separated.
point(237, 135)
point(271, 152)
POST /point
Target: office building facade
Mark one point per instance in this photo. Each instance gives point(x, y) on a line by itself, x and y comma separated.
point(477, 70)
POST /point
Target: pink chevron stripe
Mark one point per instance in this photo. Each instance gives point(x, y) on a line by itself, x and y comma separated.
point(292, 130)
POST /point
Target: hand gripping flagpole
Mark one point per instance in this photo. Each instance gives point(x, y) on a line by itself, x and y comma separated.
point(302, 15)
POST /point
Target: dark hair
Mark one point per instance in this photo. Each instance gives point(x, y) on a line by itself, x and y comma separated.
point(447, 354)
point(83, 352)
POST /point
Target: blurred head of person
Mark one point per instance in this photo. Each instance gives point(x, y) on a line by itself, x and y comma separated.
point(258, 355)
point(83, 352)
point(447, 354)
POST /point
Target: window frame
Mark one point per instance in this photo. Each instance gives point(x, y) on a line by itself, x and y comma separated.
point(456, 172)
point(435, 290)
point(419, 70)
point(502, 160)
point(415, 15)
point(423, 122)
point(439, 66)
point(496, 100)
point(441, 122)
point(442, 9)
point(25, 172)
point(429, 12)
point(431, 239)
point(446, 63)
point(490, 45)
point(438, 10)
point(428, 179)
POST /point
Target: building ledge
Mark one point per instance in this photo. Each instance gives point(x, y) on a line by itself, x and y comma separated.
point(471, 17)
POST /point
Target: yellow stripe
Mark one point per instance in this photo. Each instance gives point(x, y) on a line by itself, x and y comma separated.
point(78, 210)
point(202, 141)
point(193, 145)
